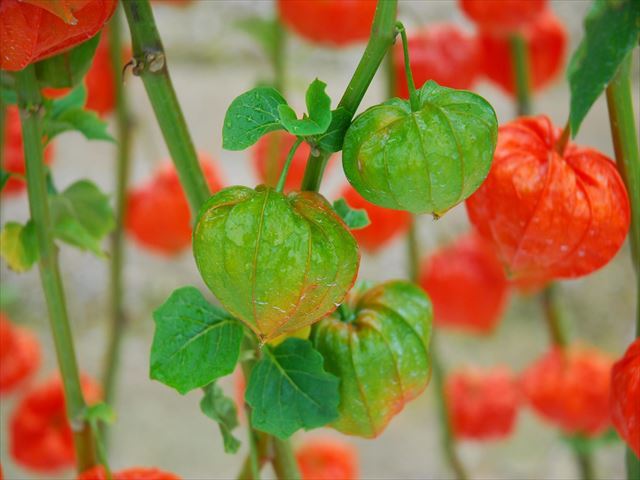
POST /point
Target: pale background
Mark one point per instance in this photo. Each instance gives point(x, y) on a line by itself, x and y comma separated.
point(211, 62)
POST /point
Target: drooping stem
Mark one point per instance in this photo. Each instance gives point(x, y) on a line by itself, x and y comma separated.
point(413, 94)
point(383, 32)
point(151, 66)
point(625, 142)
point(521, 73)
point(553, 316)
point(447, 440)
point(287, 164)
point(123, 122)
point(30, 104)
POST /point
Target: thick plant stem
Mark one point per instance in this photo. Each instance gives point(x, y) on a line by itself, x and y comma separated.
point(447, 439)
point(383, 32)
point(123, 119)
point(625, 142)
point(284, 461)
point(521, 73)
point(151, 66)
point(30, 103)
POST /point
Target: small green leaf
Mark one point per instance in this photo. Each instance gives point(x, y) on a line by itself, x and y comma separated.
point(611, 31)
point(86, 122)
point(250, 116)
point(355, 219)
point(289, 389)
point(221, 409)
point(332, 139)
point(4, 178)
point(194, 342)
point(69, 68)
point(82, 216)
point(100, 413)
point(319, 108)
point(19, 245)
point(76, 98)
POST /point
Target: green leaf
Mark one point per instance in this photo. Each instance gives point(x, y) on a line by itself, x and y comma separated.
point(4, 178)
point(82, 216)
point(250, 116)
point(69, 68)
point(19, 245)
point(100, 413)
point(611, 31)
point(194, 342)
point(266, 32)
point(76, 98)
point(221, 409)
point(86, 122)
point(332, 139)
point(289, 389)
point(319, 108)
point(355, 219)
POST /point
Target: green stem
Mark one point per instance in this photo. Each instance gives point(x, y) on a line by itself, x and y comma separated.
point(383, 32)
point(413, 94)
point(30, 103)
point(287, 164)
point(447, 439)
point(585, 464)
point(284, 461)
point(123, 120)
point(151, 66)
point(521, 73)
point(553, 316)
point(625, 143)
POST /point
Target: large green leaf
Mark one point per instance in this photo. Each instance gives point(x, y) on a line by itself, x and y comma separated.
point(82, 216)
point(194, 342)
point(611, 31)
point(69, 68)
point(289, 390)
point(86, 122)
point(18, 245)
point(250, 116)
point(319, 108)
point(221, 409)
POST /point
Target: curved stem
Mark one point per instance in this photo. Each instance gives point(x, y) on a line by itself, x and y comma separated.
point(383, 32)
point(521, 73)
point(30, 103)
point(625, 142)
point(151, 66)
point(287, 164)
point(413, 94)
point(123, 119)
point(447, 440)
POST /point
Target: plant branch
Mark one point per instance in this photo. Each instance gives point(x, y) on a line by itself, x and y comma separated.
point(151, 66)
point(30, 104)
point(553, 316)
point(383, 33)
point(447, 440)
point(521, 73)
point(625, 143)
point(123, 120)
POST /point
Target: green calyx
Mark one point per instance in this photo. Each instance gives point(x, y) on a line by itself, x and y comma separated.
point(276, 262)
point(381, 356)
point(424, 161)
